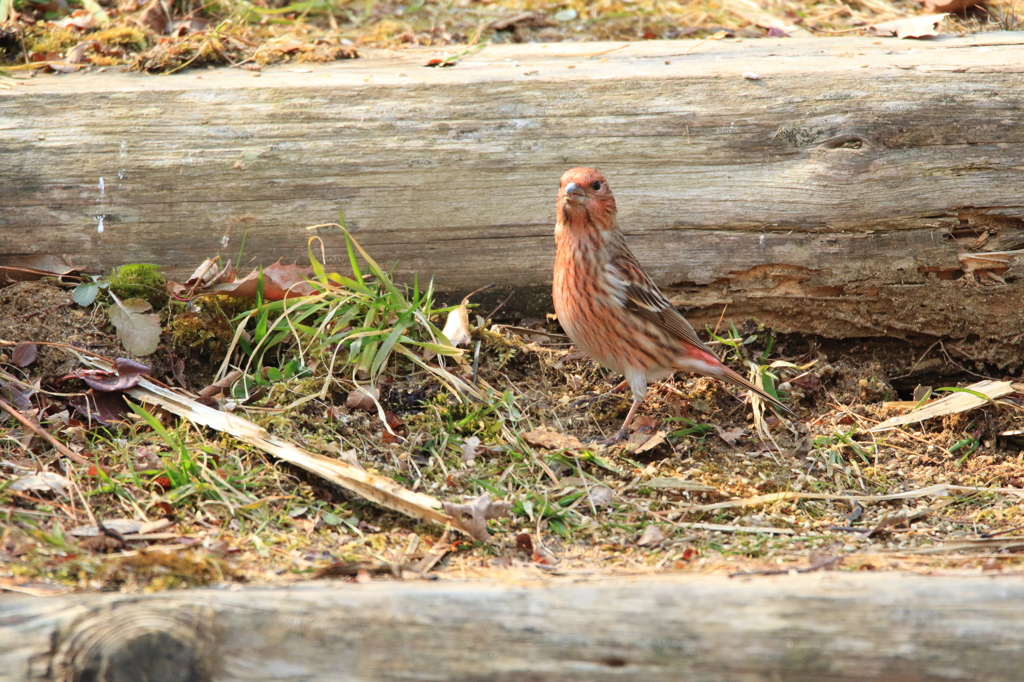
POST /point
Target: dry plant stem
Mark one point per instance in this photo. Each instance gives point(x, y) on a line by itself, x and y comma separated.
point(42, 433)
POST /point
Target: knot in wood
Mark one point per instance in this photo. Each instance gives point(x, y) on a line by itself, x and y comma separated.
point(125, 643)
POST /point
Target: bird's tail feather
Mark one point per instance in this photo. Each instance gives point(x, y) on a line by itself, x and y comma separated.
point(737, 379)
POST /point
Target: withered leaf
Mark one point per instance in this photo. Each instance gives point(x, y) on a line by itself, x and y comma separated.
point(551, 440)
point(139, 333)
point(155, 17)
point(651, 536)
point(43, 481)
point(470, 447)
point(910, 27)
point(24, 354)
point(473, 516)
point(103, 406)
point(280, 281)
point(456, 327)
point(601, 496)
point(730, 436)
point(363, 399)
point(31, 268)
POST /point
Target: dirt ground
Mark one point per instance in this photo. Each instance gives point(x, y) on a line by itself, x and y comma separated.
point(700, 485)
point(168, 37)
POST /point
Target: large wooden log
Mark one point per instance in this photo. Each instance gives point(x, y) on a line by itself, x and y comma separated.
point(699, 628)
point(837, 193)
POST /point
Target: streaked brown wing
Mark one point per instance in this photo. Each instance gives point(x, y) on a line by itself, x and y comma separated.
point(645, 299)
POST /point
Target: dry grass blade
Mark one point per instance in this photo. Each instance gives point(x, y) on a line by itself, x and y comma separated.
point(377, 489)
point(938, 490)
point(930, 491)
point(958, 402)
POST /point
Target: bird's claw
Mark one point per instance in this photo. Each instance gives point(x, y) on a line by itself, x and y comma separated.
point(619, 436)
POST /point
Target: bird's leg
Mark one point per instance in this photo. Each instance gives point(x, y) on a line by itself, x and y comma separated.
point(621, 433)
point(591, 399)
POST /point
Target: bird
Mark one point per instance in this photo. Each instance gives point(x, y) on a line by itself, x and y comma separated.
point(611, 308)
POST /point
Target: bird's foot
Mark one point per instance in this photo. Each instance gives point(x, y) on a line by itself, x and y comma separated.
point(619, 436)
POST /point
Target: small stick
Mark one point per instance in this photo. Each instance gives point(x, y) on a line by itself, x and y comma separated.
point(60, 447)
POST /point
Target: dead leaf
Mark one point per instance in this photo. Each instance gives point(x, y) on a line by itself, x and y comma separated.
point(24, 354)
point(601, 496)
point(652, 535)
point(551, 440)
point(127, 376)
point(363, 399)
point(649, 442)
point(280, 281)
point(470, 448)
point(155, 17)
point(79, 53)
point(643, 422)
point(35, 267)
point(473, 515)
point(139, 333)
point(910, 27)
point(456, 327)
point(730, 436)
point(524, 543)
point(106, 407)
point(44, 480)
point(18, 396)
point(80, 19)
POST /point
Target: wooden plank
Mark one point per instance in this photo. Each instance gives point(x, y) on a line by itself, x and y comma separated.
point(835, 626)
point(832, 195)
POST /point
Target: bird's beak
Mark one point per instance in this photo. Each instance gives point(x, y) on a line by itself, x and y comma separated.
point(574, 193)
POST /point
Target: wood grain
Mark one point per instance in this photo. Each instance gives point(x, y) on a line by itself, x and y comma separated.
point(837, 626)
point(859, 168)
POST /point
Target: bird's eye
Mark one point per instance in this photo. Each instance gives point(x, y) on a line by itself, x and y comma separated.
point(596, 185)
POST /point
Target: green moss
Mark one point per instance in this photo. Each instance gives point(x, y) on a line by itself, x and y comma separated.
point(42, 38)
point(140, 280)
point(127, 37)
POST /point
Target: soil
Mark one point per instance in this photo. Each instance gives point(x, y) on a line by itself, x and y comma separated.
point(696, 469)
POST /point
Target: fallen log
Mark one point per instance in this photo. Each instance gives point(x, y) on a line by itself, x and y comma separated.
point(812, 627)
point(845, 187)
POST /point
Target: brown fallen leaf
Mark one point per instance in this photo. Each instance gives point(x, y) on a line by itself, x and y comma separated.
point(651, 536)
point(473, 515)
point(31, 268)
point(648, 443)
point(601, 496)
point(911, 27)
point(730, 436)
point(79, 53)
point(280, 281)
point(155, 17)
point(24, 354)
point(138, 331)
point(363, 399)
point(551, 440)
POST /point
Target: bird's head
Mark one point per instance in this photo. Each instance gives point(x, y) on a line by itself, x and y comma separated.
point(584, 198)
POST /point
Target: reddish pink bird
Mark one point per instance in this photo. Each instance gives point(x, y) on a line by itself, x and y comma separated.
point(611, 308)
